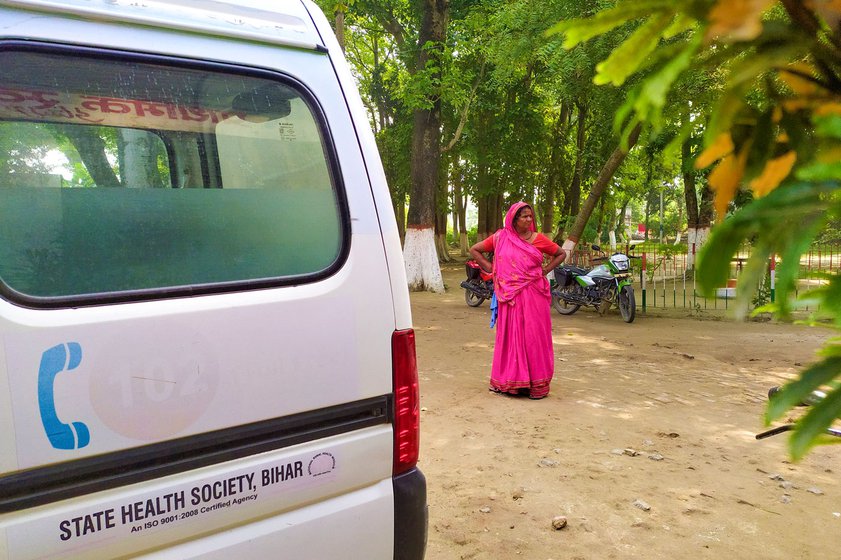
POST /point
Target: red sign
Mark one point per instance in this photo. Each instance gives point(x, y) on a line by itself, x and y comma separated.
point(16, 104)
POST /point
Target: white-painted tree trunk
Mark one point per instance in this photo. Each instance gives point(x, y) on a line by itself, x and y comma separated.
point(612, 236)
point(138, 163)
point(569, 247)
point(695, 239)
point(422, 269)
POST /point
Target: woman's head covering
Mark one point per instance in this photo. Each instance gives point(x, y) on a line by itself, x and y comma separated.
point(509, 216)
point(516, 262)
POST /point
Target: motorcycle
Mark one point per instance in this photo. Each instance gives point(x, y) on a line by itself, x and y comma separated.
point(811, 399)
point(600, 287)
point(479, 285)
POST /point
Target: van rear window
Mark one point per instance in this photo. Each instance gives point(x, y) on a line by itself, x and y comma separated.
point(128, 178)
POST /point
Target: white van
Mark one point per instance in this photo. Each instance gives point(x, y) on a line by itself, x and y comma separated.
point(205, 335)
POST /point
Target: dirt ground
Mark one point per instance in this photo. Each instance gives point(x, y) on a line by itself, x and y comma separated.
point(645, 444)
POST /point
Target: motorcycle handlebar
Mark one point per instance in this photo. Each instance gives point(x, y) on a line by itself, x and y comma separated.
point(788, 428)
point(595, 259)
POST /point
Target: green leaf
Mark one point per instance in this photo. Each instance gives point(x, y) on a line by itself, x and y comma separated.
point(583, 29)
point(742, 77)
point(627, 57)
point(820, 416)
point(762, 142)
point(828, 298)
point(832, 351)
point(789, 269)
point(828, 126)
point(729, 105)
point(748, 68)
point(680, 24)
point(792, 394)
point(656, 88)
point(800, 137)
point(780, 215)
point(819, 171)
point(626, 133)
point(753, 272)
point(714, 257)
point(621, 114)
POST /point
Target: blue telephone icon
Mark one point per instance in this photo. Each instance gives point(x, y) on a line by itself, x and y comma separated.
point(53, 361)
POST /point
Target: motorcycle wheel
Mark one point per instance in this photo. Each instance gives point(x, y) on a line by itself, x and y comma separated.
point(627, 303)
point(561, 306)
point(472, 299)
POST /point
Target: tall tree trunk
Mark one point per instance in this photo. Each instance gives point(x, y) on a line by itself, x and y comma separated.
point(422, 269)
point(648, 195)
point(600, 222)
point(482, 218)
point(614, 220)
point(441, 237)
point(91, 149)
point(139, 159)
point(599, 186)
point(340, 24)
point(679, 226)
point(574, 194)
point(441, 198)
point(484, 227)
point(400, 213)
point(554, 174)
point(495, 213)
point(459, 210)
point(698, 214)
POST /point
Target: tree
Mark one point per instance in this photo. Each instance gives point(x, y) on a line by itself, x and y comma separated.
point(422, 270)
point(92, 149)
point(607, 172)
point(699, 210)
point(774, 129)
point(404, 92)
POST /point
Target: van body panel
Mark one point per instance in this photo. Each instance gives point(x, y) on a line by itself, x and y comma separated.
point(374, 169)
point(253, 21)
point(226, 364)
point(142, 517)
point(310, 533)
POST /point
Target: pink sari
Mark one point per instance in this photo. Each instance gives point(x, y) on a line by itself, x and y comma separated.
point(523, 357)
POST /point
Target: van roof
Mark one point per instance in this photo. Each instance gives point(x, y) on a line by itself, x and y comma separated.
point(285, 23)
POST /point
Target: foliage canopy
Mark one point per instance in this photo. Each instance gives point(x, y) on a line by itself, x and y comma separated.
point(773, 129)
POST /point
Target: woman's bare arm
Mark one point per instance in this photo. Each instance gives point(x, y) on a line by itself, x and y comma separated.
point(476, 253)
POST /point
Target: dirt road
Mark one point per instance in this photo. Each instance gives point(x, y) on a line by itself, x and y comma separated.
point(645, 444)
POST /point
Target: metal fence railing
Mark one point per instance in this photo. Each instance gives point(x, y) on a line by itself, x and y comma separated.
point(667, 278)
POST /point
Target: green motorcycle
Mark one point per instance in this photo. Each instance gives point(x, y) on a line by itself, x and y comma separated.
point(606, 284)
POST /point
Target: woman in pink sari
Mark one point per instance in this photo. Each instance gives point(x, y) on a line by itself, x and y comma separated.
point(523, 361)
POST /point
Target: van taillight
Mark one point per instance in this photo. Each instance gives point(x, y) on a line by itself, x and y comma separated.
point(406, 400)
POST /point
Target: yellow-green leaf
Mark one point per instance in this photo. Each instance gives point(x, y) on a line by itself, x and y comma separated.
point(680, 24)
point(725, 179)
point(773, 174)
point(796, 76)
point(583, 29)
point(628, 56)
point(655, 88)
point(736, 20)
point(720, 147)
